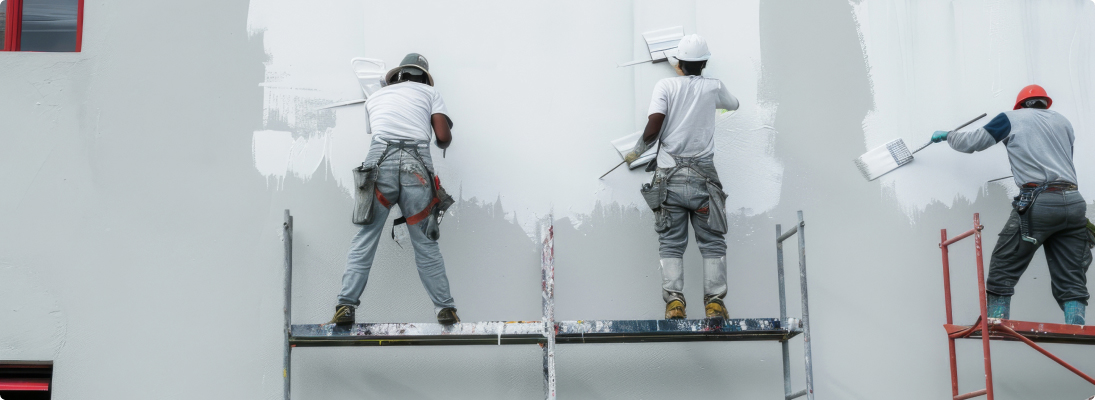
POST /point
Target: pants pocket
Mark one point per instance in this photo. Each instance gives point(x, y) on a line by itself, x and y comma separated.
point(413, 173)
point(661, 220)
point(716, 204)
point(1012, 226)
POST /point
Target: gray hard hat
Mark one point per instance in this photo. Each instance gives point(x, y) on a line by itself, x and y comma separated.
point(410, 63)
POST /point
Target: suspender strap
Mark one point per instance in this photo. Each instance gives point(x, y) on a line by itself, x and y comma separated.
point(422, 215)
point(383, 200)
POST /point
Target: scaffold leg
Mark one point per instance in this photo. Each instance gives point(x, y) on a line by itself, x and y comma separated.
point(287, 237)
point(784, 346)
point(781, 236)
point(805, 308)
point(984, 304)
point(547, 265)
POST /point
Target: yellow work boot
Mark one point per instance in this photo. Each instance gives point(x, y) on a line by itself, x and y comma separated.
point(715, 309)
point(674, 310)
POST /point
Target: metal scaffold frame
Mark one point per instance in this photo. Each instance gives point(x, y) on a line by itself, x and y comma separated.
point(547, 332)
point(999, 329)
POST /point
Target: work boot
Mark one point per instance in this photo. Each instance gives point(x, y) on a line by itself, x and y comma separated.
point(716, 309)
point(999, 306)
point(1074, 312)
point(344, 315)
point(447, 316)
point(674, 309)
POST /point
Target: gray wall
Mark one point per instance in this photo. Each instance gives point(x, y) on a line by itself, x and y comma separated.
point(141, 228)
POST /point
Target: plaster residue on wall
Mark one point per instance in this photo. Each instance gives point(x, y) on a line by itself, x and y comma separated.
point(534, 108)
point(935, 65)
point(308, 50)
point(35, 326)
point(745, 151)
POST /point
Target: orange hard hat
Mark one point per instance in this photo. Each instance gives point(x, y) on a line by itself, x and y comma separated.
point(1030, 92)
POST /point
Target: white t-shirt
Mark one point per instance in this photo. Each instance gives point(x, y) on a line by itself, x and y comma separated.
point(689, 104)
point(402, 111)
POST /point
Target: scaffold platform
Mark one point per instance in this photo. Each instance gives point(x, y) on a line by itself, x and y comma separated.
point(531, 332)
point(780, 329)
point(1027, 332)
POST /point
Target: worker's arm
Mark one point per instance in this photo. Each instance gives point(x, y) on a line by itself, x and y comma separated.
point(726, 100)
point(441, 129)
point(979, 139)
point(650, 135)
point(659, 105)
point(653, 127)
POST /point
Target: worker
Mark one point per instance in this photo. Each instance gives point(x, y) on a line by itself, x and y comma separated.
point(403, 116)
point(1049, 211)
point(685, 185)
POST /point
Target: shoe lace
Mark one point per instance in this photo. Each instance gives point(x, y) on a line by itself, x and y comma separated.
point(342, 311)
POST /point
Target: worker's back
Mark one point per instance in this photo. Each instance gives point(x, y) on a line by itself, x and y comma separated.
point(1040, 146)
point(403, 111)
point(689, 104)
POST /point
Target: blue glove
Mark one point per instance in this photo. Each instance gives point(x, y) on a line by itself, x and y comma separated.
point(939, 136)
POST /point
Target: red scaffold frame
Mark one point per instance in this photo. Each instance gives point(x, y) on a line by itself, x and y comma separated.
point(999, 329)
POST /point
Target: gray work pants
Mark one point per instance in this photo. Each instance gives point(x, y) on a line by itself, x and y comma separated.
point(687, 200)
point(402, 180)
point(1058, 222)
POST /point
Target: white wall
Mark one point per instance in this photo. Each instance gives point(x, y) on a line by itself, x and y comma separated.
point(146, 176)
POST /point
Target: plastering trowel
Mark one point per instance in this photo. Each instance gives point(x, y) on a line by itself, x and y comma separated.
point(661, 44)
point(890, 156)
point(370, 75)
point(625, 144)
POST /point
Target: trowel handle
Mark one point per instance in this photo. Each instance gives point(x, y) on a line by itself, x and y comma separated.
point(955, 129)
point(922, 147)
point(971, 121)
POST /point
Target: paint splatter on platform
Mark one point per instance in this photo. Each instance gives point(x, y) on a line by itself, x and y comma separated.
point(529, 332)
point(685, 330)
point(388, 334)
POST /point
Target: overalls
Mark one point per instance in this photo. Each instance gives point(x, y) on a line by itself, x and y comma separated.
point(404, 170)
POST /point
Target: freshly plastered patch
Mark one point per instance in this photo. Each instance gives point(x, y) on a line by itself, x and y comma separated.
point(745, 158)
point(504, 147)
point(935, 65)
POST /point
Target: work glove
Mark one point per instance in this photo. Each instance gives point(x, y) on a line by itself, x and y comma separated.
point(639, 149)
point(939, 136)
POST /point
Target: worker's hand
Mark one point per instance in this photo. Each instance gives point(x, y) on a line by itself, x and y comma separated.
point(939, 136)
point(631, 157)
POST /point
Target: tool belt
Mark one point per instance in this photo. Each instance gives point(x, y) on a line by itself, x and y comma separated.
point(656, 192)
point(1028, 195)
point(364, 184)
point(369, 173)
point(1060, 187)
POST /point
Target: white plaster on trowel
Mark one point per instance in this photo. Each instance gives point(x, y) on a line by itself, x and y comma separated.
point(935, 65)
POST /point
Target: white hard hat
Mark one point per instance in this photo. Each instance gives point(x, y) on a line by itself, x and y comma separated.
point(693, 48)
